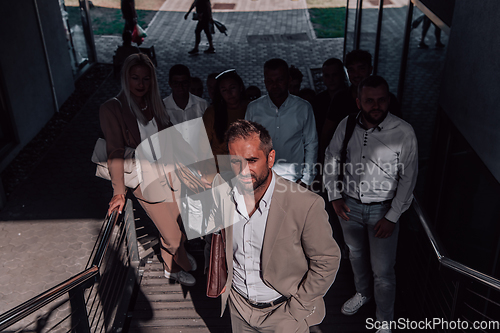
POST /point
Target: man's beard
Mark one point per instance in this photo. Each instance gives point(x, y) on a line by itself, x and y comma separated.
point(372, 120)
point(278, 94)
point(259, 181)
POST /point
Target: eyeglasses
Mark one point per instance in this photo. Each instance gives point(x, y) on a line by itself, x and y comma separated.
point(226, 72)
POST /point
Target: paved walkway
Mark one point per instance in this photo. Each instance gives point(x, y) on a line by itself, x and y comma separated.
point(50, 222)
point(253, 38)
point(237, 5)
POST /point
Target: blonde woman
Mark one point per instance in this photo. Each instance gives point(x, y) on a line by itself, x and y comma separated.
point(126, 120)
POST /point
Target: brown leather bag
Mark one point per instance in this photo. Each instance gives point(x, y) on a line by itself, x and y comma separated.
point(217, 271)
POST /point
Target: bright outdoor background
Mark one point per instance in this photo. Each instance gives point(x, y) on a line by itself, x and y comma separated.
point(327, 16)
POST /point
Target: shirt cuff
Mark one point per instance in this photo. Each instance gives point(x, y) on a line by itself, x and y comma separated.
point(392, 215)
point(306, 180)
point(334, 195)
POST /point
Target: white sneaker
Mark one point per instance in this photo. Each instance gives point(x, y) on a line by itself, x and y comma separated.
point(182, 277)
point(354, 304)
point(384, 330)
point(192, 262)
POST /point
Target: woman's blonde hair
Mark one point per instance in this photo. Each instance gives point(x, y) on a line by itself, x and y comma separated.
point(152, 97)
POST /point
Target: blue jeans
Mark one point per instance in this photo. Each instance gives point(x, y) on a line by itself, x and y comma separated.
point(371, 256)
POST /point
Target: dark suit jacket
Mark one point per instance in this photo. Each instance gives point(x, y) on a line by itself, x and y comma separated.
point(299, 257)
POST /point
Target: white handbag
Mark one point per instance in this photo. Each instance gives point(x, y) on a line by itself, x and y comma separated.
point(100, 157)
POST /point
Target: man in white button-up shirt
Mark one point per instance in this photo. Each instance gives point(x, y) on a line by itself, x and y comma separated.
point(280, 253)
point(290, 121)
point(379, 176)
point(183, 106)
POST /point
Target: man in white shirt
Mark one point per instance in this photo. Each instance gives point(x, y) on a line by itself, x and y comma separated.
point(379, 175)
point(182, 106)
point(290, 121)
point(280, 253)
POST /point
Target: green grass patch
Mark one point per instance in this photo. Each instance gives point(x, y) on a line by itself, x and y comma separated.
point(108, 21)
point(328, 22)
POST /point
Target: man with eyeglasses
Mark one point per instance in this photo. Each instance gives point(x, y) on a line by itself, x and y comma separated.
point(290, 121)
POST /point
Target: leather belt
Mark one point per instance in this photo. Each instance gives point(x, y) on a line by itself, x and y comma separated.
point(263, 305)
point(371, 203)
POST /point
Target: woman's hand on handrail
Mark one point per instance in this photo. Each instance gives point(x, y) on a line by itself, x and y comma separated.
point(117, 201)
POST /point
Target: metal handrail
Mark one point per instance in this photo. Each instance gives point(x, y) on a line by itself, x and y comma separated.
point(25, 309)
point(450, 263)
point(103, 245)
point(30, 306)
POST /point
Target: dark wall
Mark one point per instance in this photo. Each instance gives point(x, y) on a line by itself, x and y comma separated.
point(470, 90)
point(442, 9)
point(57, 48)
point(24, 69)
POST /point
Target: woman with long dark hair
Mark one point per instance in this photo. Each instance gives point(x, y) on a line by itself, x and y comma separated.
point(126, 120)
point(229, 104)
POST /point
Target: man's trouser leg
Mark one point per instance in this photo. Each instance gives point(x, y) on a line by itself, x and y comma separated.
point(383, 259)
point(356, 238)
point(364, 247)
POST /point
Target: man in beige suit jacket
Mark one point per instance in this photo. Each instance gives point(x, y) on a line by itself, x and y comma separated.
point(280, 253)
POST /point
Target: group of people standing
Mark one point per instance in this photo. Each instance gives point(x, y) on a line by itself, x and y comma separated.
point(280, 252)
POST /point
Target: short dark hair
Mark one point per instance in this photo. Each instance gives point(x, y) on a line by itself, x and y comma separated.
point(244, 129)
point(211, 76)
point(196, 80)
point(253, 92)
point(295, 73)
point(276, 63)
point(358, 56)
point(178, 69)
point(307, 94)
point(333, 62)
point(372, 81)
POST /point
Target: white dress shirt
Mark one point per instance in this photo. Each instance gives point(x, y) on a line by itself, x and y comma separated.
point(147, 130)
point(193, 215)
point(381, 164)
point(195, 108)
point(293, 130)
point(248, 236)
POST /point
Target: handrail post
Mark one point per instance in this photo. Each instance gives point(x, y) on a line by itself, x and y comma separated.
point(79, 316)
point(459, 296)
point(129, 225)
point(134, 260)
point(457, 300)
